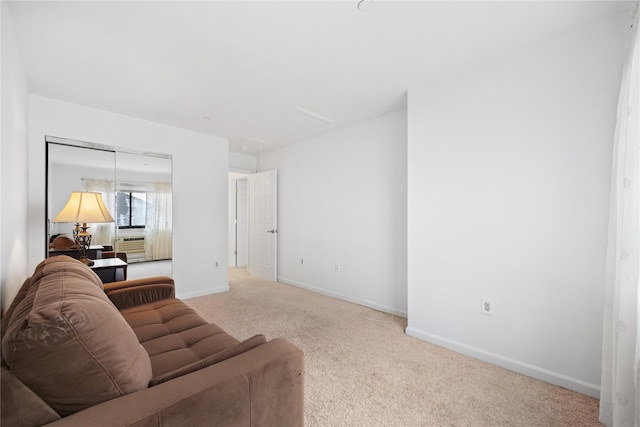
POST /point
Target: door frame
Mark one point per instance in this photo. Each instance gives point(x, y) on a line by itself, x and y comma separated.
point(232, 226)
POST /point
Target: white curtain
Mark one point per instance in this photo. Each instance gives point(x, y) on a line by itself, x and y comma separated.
point(103, 234)
point(158, 226)
point(620, 392)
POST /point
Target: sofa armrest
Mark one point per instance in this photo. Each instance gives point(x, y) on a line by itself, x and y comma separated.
point(263, 386)
point(20, 405)
point(130, 293)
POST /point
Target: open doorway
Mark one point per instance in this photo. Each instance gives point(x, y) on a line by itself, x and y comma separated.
point(253, 219)
point(238, 220)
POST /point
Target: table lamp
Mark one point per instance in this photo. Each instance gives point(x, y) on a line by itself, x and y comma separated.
point(83, 207)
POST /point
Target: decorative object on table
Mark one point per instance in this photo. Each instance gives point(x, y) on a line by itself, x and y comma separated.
point(83, 207)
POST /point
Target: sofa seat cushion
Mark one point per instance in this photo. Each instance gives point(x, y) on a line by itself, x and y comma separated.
point(174, 335)
point(68, 343)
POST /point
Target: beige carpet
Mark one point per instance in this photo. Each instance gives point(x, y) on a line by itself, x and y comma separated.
point(362, 370)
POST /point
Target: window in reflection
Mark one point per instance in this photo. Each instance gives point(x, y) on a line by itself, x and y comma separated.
point(132, 209)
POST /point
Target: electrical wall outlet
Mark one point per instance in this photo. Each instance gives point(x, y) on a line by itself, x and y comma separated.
point(337, 268)
point(217, 264)
point(486, 306)
point(301, 262)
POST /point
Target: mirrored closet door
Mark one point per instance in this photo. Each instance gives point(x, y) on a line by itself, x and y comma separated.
point(135, 188)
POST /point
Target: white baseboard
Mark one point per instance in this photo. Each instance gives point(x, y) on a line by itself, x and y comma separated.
point(370, 304)
point(520, 367)
point(202, 293)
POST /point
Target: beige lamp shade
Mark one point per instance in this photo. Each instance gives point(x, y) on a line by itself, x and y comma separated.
point(84, 207)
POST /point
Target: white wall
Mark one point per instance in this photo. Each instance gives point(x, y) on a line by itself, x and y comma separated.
point(342, 200)
point(14, 267)
point(243, 163)
point(200, 165)
point(508, 189)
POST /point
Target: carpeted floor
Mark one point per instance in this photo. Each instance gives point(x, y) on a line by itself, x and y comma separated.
point(361, 369)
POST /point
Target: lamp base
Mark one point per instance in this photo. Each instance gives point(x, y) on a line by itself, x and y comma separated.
point(87, 261)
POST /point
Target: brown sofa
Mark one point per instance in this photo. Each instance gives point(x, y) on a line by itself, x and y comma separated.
point(76, 352)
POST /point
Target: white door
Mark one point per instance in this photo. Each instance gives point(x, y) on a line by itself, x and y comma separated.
point(263, 225)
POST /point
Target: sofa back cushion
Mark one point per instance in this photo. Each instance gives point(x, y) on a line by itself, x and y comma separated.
point(67, 342)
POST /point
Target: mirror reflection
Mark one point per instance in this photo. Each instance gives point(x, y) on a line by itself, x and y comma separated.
point(143, 206)
point(136, 190)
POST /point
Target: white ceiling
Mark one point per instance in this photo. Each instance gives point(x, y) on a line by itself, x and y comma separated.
point(255, 69)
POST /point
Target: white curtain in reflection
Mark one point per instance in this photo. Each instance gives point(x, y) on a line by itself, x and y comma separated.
point(103, 234)
point(159, 221)
point(620, 388)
